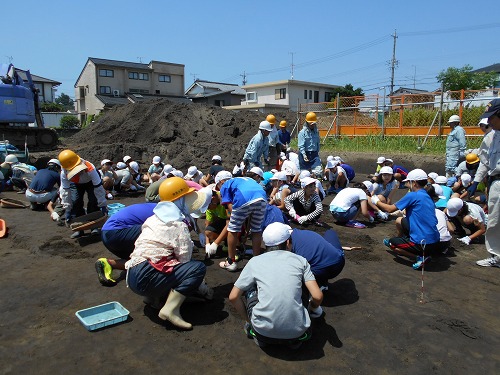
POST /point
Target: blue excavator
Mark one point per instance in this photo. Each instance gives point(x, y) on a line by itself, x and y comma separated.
point(19, 108)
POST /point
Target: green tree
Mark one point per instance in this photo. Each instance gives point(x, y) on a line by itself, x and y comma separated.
point(456, 79)
point(69, 122)
point(65, 101)
point(347, 90)
point(51, 107)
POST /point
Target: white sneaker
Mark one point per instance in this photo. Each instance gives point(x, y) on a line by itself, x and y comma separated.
point(230, 267)
point(205, 291)
point(494, 261)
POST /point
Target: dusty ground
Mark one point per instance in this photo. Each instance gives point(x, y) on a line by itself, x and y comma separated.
point(374, 322)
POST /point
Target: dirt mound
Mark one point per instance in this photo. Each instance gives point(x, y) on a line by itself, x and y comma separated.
point(182, 134)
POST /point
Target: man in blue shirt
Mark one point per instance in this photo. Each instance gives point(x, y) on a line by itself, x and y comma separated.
point(244, 198)
point(324, 253)
point(284, 135)
point(308, 144)
point(258, 147)
point(118, 234)
point(418, 235)
point(43, 186)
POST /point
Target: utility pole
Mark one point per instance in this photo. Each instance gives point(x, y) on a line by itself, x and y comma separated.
point(244, 76)
point(394, 62)
point(414, 75)
point(292, 66)
point(10, 58)
point(194, 76)
point(140, 59)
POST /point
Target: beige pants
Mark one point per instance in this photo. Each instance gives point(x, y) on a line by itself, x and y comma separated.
point(493, 230)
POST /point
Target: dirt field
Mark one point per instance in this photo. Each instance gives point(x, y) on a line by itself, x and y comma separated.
point(374, 322)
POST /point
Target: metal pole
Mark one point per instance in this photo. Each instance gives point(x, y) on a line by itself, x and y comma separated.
point(383, 116)
point(440, 131)
point(337, 115)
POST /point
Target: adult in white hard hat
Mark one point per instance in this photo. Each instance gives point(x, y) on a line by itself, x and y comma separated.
point(455, 145)
point(43, 186)
point(258, 147)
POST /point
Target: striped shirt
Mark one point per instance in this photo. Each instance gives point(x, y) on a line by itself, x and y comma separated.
point(308, 205)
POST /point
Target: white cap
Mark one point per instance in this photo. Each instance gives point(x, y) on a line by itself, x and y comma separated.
point(338, 158)
point(439, 191)
point(257, 171)
point(433, 175)
point(156, 160)
point(216, 157)
point(453, 206)
point(304, 174)
point(307, 181)
point(223, 175)
point(265, 125)
point(276, 233)
point(440, 180)
point(121, 165)
point(105, 161)
point(273, 171)
point(386, 170)
point(167, 169)
point(134, 166)
point(127, 158)
point(330, 157)
point(281, 176)
point(56, 161)
point(380, 160)
point(466, 178)
point(191, 171)
point(416, 175)
point(332, 163)
point(177, 173)
point(389, 160)
point(454, 118)
point(369, 186)
point(484, 121)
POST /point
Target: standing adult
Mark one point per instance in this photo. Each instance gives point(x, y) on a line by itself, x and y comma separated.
point(309, 145)
point(284, 135)
point(489, 154)
point(274, 143)
point(258, 146)
point(455, 145)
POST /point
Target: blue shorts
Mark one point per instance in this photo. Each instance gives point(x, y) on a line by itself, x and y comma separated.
point(121, 242)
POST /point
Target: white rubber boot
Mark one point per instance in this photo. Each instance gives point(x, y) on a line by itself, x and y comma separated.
point(171, 310)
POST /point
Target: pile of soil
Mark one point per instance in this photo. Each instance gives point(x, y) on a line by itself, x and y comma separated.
point(183, 134)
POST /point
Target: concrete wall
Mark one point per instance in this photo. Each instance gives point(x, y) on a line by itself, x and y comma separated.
point(53, 119)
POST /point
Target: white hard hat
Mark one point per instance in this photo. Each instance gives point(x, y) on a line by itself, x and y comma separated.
point(156, 160)
point(276, 233)
point(257, 171)
point(454, 118)
point(54, 161)
point(484, 121)
point(265, 125)
point(11, 159)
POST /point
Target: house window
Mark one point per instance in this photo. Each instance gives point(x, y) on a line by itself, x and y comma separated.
point(106, 73)
point(133, 75)
point(251, 96)
point(144, 76)
point(328, 96)
point(279, 94)
point(305, 94)
point(104, 90)
point(139, 91)
point(164, 78)
point(157, 92)
point(316, 96)
point(310, 94)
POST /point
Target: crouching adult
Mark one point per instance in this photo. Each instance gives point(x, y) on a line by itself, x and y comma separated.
point(272, 286)
point(161, 264)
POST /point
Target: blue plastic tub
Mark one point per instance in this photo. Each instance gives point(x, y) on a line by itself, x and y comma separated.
point(102, 316)
point(114, 208)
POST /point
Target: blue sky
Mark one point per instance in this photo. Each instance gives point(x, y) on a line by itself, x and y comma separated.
point(332, 42)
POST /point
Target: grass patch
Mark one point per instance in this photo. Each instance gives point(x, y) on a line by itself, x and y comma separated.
point(401, 144)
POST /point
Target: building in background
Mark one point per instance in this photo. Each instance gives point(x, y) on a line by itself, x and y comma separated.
point(215, 93)
point(105, 83)
point(47, 88)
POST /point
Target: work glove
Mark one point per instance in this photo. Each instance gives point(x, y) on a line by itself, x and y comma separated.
point(211, 249)
point(104, 210)
point(306, 159)
point(315, 313)
point(465, 240)
point(292, 213)
point(302, 219)
point(375, 199)
point(55, 216)
point(203, 240)
point(382, 215)
point(472, 188)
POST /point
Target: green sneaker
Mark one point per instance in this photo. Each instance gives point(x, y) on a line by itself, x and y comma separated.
point(104, 272)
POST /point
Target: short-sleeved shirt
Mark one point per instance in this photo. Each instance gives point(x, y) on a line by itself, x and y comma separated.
point(477, 213)
point(318, 252)
point(155, 168)
point(129, 216)
point(241, 191)
point(278, 276)
point(346, 198)
point(447, 192)
point(218, 212)
point(442, 226)
point(214, 169)
point(349, 171)
point(123, 176)
point(420, 215)
point(380, 189)
point(45, 180)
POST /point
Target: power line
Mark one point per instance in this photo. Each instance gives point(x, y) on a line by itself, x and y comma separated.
point(451, 30)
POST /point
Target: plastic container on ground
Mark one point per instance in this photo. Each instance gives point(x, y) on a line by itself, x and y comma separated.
point(114, 208)
point(102, 316)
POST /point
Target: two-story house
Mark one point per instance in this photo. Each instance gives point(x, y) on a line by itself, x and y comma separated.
point(47, 88)
point(105, 83)
point(286, 95)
